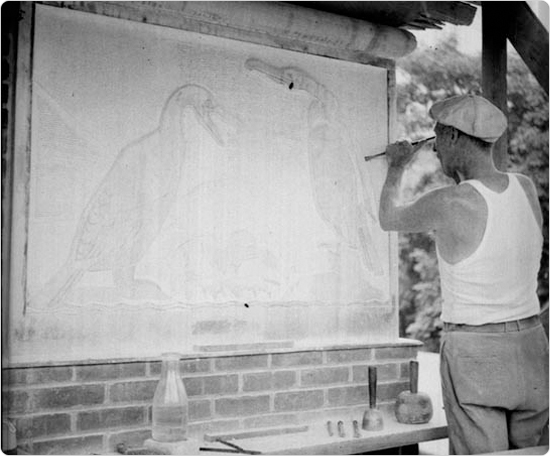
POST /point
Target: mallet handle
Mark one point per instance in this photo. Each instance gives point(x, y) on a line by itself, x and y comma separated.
point(414, 376)
point(372, 387)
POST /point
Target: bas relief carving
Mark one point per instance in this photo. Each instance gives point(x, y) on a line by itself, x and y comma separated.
point(130, 205)
point(168, 199)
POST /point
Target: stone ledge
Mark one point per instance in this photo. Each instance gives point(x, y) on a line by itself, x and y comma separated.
point(249, 351)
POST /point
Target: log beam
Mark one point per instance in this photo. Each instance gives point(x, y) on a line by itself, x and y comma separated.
point(274, 24)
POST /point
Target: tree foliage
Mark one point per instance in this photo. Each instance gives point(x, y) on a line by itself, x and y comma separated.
point(430, 75)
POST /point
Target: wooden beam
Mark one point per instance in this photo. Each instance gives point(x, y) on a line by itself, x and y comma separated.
point(530, 39)
point(458, 13)
point(397, 13)
point(494, 66)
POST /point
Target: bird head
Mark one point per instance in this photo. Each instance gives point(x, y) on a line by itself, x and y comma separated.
point(291, 77)
point(209, 113)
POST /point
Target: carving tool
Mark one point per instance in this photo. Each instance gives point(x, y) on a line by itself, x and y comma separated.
point(411, 406)
point(223, 450)
point(233, 448)
point(341, 432)
point(372, 418)
point(370, 157)
point(356, 432)
point(253, 433)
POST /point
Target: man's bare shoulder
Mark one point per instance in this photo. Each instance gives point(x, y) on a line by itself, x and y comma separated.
point(464, 222)
point(456, 194)
point(460, 203)
point(456, 203)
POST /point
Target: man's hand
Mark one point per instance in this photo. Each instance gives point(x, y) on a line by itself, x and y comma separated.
point(425, 213)
point(400, 154)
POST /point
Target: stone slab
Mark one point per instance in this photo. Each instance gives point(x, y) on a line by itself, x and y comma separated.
point(317, 440)
point(189, 446)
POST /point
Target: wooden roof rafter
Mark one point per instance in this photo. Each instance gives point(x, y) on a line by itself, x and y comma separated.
point(418, 15)
point(522, 28)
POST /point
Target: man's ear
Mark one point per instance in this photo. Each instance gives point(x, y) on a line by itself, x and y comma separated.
point(454, 135)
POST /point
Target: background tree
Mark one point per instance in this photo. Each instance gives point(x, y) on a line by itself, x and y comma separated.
point(423, 78)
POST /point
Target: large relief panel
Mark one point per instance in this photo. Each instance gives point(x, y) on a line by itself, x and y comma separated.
point(187, 191)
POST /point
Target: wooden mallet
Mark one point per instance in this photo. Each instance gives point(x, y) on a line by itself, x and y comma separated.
point(372, 418)
point(411, 406)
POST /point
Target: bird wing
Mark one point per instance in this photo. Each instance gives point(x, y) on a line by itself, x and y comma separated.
point(119, 206)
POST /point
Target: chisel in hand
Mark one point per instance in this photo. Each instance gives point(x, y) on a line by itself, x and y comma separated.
point(370, 157)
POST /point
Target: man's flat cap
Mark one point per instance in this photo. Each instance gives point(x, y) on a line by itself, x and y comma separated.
point(472, 115)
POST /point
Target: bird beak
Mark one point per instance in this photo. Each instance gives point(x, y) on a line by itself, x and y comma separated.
point(216, 120)
point(272, 72)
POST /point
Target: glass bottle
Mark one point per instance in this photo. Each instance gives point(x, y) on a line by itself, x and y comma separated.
point(170, 405)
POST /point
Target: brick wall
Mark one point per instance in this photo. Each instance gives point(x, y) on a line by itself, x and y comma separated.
point(91, 408)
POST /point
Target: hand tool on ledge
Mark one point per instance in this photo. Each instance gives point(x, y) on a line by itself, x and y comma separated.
point(341, 431)
point(225, 450)
point(233, 448)
point(329, 428)
point(372, 418)
point(356, 432)
point(415, 143)
point(412, 407)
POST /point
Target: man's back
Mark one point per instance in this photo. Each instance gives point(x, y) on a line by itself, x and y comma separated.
point(494, 277)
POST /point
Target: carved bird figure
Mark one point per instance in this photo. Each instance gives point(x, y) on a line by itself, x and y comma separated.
point(131, 204)
point(339, 194)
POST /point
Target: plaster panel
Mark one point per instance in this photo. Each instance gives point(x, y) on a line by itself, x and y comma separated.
point(188, 190)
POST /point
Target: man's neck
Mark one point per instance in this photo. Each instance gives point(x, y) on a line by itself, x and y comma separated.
point(480, 169)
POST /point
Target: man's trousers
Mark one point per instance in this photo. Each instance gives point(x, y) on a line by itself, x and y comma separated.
point(495, 386)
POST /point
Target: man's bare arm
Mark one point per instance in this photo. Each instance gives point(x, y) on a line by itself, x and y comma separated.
point(424, 214)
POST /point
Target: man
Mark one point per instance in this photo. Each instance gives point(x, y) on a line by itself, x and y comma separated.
point(494, 351)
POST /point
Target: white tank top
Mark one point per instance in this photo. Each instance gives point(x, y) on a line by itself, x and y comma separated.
point(498, 282)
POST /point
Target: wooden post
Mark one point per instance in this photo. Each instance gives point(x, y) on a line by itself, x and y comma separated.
point(10, 24)
point(494, 67)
